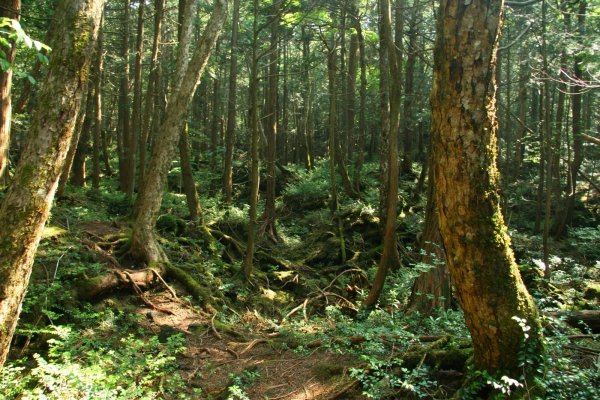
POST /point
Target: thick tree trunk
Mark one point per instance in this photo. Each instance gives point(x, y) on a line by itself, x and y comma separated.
point(10, 9)
point(390, 258)
point(144, 245)
point(481, 263)
point(231, 107)
point(26, 205)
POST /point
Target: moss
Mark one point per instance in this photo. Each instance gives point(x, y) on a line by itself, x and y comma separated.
point(201, 293)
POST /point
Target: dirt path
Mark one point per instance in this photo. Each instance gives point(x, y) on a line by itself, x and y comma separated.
point(257, 362)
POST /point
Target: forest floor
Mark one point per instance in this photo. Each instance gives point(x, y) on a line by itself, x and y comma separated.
point(296, 331)
point(264, 365)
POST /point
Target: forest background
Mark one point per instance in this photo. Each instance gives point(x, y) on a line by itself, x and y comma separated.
point(304, 147)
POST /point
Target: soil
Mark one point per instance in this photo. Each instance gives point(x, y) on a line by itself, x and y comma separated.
point(212, 357)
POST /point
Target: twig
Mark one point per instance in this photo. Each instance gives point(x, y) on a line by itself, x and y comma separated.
point(251, 345)
point(160, 278)
point(144, 298)
point(212, 325)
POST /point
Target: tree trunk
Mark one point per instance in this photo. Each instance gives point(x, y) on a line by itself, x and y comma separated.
point(254, 147)
point(10, 9)
point(68, 163)
point(189, 185)
point(271, 127)
point(362, 119)
point(566, 217)
point(390, 258)
point(481, 263)
point(431, 289)
point(216, 113)
point(384, 101)
point(98, 68)
point(26, 206)
point(231, 106)
point(144, 244)
point(125, 172)
point(152, 88)
point(408, 123)
point(136, 112)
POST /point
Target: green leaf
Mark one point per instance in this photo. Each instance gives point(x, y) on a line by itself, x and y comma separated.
point(4, 64)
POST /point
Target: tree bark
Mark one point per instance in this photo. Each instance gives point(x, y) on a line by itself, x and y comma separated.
point(362, 118)
point(144, 243)
point(136, 111)
point(478, 252)
point(10, 9)
point(390, 258)
point(269, 227)
point(152, 88)
point(26, 205)
point(231, 106)
point(98, 69)
point(125, 173)
point(432, 289)
point(254, 147)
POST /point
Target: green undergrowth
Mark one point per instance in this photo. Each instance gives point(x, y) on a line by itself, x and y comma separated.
point(100, 355)
point(301, 289)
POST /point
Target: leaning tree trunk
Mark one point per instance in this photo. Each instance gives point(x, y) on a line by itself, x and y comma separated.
point(26, 206)
point(10, 9)
point(481, 263)
point(144, 243)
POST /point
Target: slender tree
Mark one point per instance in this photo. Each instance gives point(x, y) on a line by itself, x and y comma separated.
point(231, 106)
point(26, 206)
point(389, 258)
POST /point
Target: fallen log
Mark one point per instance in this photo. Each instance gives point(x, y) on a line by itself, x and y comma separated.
point(583, 319)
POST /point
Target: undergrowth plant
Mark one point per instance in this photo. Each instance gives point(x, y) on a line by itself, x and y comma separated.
point(103, 359)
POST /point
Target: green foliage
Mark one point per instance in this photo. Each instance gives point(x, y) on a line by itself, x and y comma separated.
point(239, 384)
point(100, 359)
point(386, 379)
point(11, 31)
point(310, 191)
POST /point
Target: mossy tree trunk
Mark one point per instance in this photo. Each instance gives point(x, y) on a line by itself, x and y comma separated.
point(479, 256)
point(144, 244)
point(26, 206)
